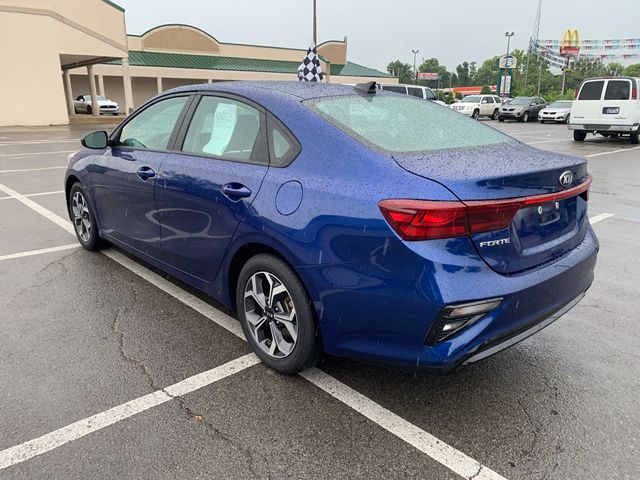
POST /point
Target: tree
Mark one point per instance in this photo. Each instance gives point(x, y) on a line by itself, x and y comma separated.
point(615, 68)
point(464, 78)
point(485, 90)
point(403, 71)
point(432, 65)
point(487, 74)
point(632, 70)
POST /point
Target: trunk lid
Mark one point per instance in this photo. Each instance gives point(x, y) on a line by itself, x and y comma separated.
point(541, 231)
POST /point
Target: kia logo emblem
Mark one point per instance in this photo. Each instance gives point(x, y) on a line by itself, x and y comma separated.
point(566, 178)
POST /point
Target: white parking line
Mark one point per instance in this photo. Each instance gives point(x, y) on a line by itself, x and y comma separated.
point(549, 141)
point(18, 170)
point(39, 252)
point(35, 194)
point(35, 153)
point(612, 151)
point(38, 446)
point(436, 449)
point(597, 218)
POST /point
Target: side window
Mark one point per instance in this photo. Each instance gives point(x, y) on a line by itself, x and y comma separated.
point(226, 128)
point(591, 90)
point(395, 88)
point(415, 92)
point(151, 129)
point(618, 90)
point(489, 99)
point(430, 95)
point(283, 148)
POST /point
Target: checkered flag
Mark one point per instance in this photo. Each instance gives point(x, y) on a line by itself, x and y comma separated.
point(310, 69)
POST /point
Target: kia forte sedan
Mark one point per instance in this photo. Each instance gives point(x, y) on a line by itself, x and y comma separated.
point(342, 219)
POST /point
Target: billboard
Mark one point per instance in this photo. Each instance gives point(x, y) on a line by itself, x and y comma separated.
point(507, 61)
point(428, 76)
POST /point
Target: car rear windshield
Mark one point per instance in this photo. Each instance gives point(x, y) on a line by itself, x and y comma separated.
point(591, 90)
point(404, 124)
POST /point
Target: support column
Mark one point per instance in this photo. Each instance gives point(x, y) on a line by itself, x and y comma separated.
point(159, 82)
point(101, 85)
point(210, 80)
point(128, 92)
point(95, 109)
point(68, 93)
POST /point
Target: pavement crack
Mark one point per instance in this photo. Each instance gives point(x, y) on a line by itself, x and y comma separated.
point(475, 475)
point(534, 428)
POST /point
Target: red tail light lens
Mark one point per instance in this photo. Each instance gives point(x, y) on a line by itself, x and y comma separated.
point(430, 220)
point(634, 93)
point(425, 220)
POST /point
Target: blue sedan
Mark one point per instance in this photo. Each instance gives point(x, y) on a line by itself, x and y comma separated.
point(342, 219)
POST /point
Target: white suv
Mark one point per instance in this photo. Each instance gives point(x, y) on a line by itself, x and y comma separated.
point(609, 106)
point(414, 90)
point(476, 106)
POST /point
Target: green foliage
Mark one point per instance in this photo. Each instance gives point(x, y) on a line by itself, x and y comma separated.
point(633, 70)
point(485, 90)
point(403, 71)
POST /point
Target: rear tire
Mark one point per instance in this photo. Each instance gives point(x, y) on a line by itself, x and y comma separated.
point(89, 110)
point(501, 119)
point(635, 137)
point(280, 328)
point(579, 135)
point(83, 218)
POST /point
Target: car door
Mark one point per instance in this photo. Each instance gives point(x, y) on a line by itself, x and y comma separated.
point(79, 104)
point(617, 106)
point(486, 106)
point(587, 106)
point(205, 191)
point(124, 177)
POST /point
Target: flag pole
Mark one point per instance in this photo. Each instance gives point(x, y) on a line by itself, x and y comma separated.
point(315, 25)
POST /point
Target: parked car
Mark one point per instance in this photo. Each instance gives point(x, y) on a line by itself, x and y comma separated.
point(414, 90)
point(558, 111)
point(476, 106)
point(345, 219)
point(522, 109)
point(82, 104)
point(609, 106)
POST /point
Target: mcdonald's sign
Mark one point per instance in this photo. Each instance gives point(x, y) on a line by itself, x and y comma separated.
point(570, 44)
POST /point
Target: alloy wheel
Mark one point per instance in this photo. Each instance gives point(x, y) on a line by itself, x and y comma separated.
point(81, 216)
point(270, 314)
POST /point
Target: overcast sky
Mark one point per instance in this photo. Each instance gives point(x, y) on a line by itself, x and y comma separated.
point(379, 32)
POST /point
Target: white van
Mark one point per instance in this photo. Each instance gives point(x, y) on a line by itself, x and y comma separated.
point(413, 90)
point(606, 105)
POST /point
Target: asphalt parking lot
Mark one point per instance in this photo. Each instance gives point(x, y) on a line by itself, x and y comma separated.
point(109, 369)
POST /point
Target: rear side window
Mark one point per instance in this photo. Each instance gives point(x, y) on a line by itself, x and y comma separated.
point(488, 99)
point(430, 95)
point(618, 90)
point(415, 92)
point(226, 128)
point(394, 88)
point(152, 128)
point(404, 124)
point(591, 90)
point(283, 148)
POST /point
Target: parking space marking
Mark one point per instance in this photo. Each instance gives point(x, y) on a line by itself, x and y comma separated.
point(18, 170)
point(40, 251)
point(415, 436)
point(32, 448)
point(619, 150)
point(549, 141)
point(597, 218)
point(40, 194)
point(35, 153)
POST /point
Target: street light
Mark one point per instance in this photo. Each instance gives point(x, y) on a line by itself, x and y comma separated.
point(508, 35)
point(415, 73)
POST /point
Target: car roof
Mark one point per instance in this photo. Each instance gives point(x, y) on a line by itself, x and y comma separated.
point(291, 90)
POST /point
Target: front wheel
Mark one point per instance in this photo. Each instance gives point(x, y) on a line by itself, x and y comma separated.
point(525, 117)
point(579, 135)
point(566, 120)
point(84, 221)
point(495, 115)
point(501, 119)
point(476, 114)
point(276, 316)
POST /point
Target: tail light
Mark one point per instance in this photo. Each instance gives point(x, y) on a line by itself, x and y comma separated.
point(430, 220)
point(634, 92)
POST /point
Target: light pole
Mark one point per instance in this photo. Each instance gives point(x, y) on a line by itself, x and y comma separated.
point(315, 24)
point(508, 35)
point(415, 73)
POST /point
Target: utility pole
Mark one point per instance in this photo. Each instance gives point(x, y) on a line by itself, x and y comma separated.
point(315, 24)
point(415, 72)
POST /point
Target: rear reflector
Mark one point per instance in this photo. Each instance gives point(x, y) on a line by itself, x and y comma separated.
point(430, 220)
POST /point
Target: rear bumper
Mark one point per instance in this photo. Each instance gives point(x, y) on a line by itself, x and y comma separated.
point(603, 127)
point(383, 308)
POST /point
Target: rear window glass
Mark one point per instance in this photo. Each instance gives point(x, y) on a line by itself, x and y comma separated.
point(591, 90)
point(404, 124)
point(415, 92)
point(618, 90)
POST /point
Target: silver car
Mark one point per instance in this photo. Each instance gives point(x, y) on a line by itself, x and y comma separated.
point(82, 104)
point(558, 111)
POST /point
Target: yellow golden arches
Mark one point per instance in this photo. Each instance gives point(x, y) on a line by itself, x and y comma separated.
point(570, 39)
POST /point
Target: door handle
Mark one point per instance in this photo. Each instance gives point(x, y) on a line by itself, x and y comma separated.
point(146, 172)
point(235, 191)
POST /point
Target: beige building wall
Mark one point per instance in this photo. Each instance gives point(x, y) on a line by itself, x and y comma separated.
point(36, 38)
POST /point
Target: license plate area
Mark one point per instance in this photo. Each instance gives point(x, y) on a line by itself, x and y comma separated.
point(611, 110)
point(548, 213)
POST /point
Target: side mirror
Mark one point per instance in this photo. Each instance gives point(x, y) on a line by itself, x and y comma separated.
point(96, 140)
